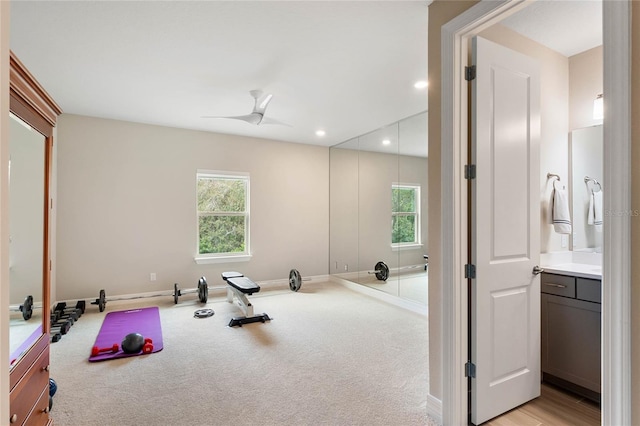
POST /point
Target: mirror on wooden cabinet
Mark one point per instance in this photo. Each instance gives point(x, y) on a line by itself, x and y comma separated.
point(27, 211)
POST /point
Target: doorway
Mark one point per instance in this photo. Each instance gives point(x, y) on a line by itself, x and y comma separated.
point(616, 406)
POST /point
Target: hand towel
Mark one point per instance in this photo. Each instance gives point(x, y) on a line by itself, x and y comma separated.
point(595, 210)
point(560, 217)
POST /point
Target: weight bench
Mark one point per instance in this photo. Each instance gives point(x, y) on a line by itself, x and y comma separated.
point(241, 286)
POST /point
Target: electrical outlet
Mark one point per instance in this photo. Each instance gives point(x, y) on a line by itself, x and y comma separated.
point(152, 276)
point(564, 240)
point(346, 267)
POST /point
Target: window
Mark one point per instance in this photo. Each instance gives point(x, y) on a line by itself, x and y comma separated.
point(405, 215)
point(223, 215)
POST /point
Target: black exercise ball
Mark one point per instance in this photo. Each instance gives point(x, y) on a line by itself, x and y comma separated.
point(53, 387)
point(132, 343)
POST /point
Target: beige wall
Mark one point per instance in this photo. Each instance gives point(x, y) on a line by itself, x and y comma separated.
point(126, 206)
point(4, 209)
point(635, 220)
point(585, 82)
point(440, 12)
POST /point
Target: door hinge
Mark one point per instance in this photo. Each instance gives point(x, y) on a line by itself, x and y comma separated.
point(470, 370)
point(469, 270)
point(470, 73)
point(470, 171)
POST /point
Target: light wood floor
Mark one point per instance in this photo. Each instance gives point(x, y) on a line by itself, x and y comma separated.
point(554, 407)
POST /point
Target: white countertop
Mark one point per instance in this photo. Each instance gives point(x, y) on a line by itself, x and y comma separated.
point(581, 270)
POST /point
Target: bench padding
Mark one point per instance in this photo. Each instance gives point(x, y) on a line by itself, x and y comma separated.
point(243, 285)
point(231, 274)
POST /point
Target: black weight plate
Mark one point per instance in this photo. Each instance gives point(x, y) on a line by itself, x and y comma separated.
point(27, 308)
point(203, 313)
point(382, 271)
point(102, 300)
point(203, 290)
point(176, 293)
point(295, 280)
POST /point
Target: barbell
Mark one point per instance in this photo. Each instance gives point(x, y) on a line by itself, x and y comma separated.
point(202, 290)
point(295, 280)
point(26, 308)
point(381, 270)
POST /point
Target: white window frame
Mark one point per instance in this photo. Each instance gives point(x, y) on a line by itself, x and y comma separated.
point(418, 230)
point(225, 257)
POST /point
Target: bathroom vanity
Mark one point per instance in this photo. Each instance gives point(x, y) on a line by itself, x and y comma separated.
point(571, 328)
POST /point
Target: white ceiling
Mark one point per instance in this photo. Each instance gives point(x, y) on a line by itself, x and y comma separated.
point(347, 67)
point(567, 26)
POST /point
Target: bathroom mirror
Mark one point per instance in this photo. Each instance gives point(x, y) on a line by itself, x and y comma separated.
point(27, 206)
point(586, 179)
point(378, 184)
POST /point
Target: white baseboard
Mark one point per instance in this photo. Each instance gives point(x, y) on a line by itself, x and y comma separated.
point(434, 408)
point(386, 297)
point(214, 290)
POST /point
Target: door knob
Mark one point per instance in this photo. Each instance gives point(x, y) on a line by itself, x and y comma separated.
point(537, 270)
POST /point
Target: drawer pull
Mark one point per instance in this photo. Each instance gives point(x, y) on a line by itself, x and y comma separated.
point(46, 410)
point(13, 418)
point(45, 368)
point(555, 285)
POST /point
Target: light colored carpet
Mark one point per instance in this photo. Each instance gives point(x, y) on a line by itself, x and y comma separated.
point(330, 356)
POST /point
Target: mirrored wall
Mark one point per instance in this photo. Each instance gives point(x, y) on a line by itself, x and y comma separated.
point(378, 209)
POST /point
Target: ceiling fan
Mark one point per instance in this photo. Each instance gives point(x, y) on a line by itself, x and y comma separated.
point(257, 116)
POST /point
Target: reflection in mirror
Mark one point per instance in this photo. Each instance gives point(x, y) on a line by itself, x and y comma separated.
point(378, 206)
point(26, 229)
point(586, 161)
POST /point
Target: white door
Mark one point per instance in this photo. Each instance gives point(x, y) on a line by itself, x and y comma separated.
point(505, 240)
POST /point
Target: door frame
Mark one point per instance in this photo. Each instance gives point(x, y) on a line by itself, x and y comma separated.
point(616, 306)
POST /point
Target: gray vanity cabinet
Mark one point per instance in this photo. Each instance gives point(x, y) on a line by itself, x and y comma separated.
point(571, 318)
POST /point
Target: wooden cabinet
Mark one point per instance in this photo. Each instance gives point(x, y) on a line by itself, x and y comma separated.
point(29, 376)
point(571, 333)
point(28, 404)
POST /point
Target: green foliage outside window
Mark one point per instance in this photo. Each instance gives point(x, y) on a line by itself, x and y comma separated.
point(404, 215)
point(222, 214)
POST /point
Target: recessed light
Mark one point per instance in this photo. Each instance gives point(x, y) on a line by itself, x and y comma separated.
point(422, 84)
point(386, 142)
point(320, 133)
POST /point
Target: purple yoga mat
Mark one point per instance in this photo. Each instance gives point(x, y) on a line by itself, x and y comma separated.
point(117, 325)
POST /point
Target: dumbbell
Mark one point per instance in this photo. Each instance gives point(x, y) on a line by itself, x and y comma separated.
point(55, 337)
point(97, 351)
point(62, 327)
point(62, 308)
point(80, 305)
point(58, 316)
point(72, 313)
point(147, 348)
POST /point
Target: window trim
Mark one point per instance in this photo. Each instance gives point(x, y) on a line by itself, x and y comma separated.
point(417, 242)
point(207, 258)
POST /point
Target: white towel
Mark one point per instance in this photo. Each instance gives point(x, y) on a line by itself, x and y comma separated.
point(561, 218)
point(595, 210)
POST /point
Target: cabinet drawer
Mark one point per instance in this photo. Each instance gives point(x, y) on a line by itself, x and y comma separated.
point(28, 390)
point(560, 285)
point(589, 290)
point(40, 413)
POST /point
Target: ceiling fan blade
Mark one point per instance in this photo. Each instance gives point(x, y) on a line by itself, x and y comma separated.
point(265, 101)
point(269, 120)
point(250, 118)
